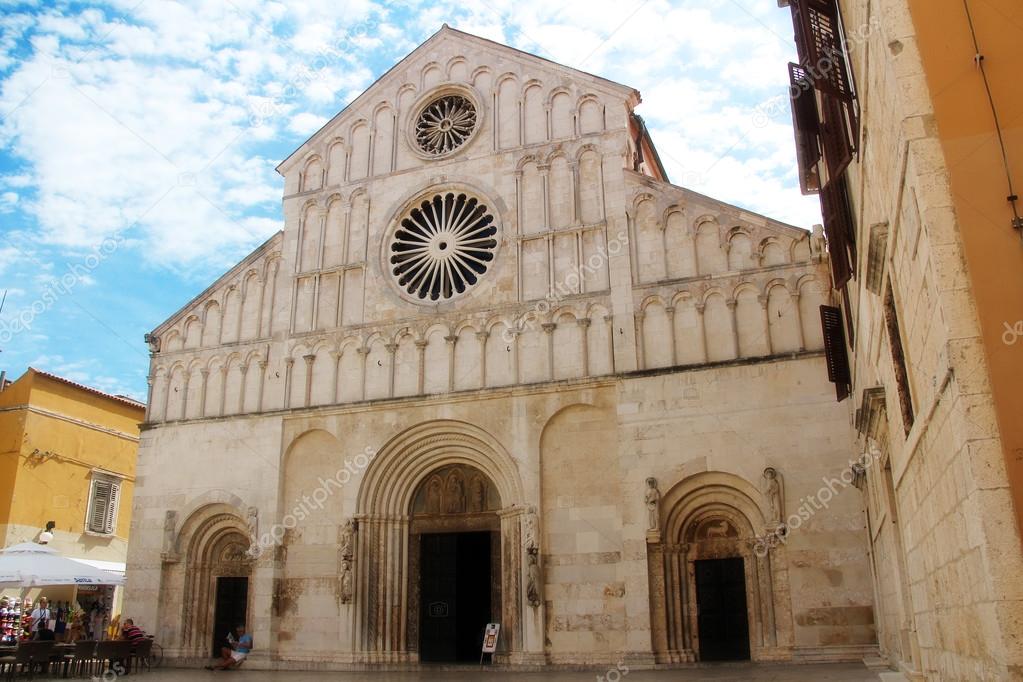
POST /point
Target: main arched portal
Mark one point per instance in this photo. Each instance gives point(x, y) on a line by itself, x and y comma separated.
point(454, 563)
point(440, 499)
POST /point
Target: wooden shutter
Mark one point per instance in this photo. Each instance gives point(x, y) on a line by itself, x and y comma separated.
point(806, 127)
point(891, 320)
point(819, 41)
point(838, 139)
point(839, 229)
point(110, 520)
point(835, 350)
point(103, 505)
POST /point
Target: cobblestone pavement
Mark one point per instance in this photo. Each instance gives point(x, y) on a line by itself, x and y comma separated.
point(718, 673)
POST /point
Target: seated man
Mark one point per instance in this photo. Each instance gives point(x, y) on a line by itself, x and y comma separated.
point(132, 632)
point(240, 645)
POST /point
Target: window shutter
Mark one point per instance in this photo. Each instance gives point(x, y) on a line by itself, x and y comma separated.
point(839, 229)
point(806, 127)
point(100, 505)
point(821, 49)
point(109, 520)
point(837, 137)
point(835, 350)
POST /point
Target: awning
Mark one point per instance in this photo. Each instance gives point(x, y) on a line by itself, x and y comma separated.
point(110, 566)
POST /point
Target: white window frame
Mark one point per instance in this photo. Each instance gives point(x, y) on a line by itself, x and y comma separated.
point(116, 484)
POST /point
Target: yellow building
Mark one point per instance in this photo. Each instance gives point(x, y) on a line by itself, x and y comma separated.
point(67, 457)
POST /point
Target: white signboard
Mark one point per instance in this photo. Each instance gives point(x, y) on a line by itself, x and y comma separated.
point(490, 637)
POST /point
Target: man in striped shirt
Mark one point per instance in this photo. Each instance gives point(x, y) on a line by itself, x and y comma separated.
point(132, 632)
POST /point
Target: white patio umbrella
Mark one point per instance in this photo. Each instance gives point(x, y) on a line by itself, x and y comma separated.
point(33, 565)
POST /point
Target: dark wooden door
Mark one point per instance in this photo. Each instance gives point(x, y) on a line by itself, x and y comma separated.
point(455, 595)
point(230, 609)
point(721, 606)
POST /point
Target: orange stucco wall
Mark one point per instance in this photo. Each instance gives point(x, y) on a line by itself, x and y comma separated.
point(994, 251)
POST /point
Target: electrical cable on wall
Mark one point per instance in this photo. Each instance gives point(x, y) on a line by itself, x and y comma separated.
point(1013, 198)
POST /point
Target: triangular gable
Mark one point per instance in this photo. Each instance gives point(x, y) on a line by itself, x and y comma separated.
point(262, 250)
point(446, 31)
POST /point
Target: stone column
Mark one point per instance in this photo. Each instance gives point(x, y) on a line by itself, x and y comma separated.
point(482, 337)
point(452, 340)
point(670, 312)
point(309, 360)
point(363, 355)
point(799, 320)
point(262, 383)
point(767, 324)
point(289, 363)
point(334, 381)
point(184, 395)
point(731, 303)
point(421, 350)
point(548, 329)
point(700, 308)
point(640, 345)
point(584, 326)
point(244, 369)
point(150, 382)
point(392, 348)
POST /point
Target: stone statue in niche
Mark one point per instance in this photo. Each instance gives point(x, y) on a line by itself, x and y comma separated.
point(433, 491)
point(170, 524)
point(653, 503)
point(252, 526)
point(346, 540)
point(530, 534)
point(533, 593)
point(774, 490)
point(345, 582)
point(455, 495)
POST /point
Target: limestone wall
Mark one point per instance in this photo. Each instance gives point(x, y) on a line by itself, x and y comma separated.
point(946, 546)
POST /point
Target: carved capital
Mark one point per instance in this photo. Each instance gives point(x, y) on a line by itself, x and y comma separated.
point(482, 336)
point(731, 303)
point(451, 339)
point(391, 347)
point(362, 350)
point(421, 344)
point(309, 358)
point(583, 322)
point(548, 326)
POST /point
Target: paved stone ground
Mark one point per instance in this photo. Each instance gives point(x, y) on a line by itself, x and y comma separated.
point(718, 673)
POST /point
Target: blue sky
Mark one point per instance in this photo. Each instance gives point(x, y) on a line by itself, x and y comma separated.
point(138, 138)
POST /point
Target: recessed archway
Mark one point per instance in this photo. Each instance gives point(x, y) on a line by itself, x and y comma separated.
point(437, 477)
point(707, 535)
point(214, 541)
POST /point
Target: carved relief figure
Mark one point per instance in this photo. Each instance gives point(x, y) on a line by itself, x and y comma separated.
point(455, 497)
point(170, 523)
point(653, 501)
point(346, 540)
point(530, 534)
point(479, 495)
point(533, 580)
point(345, 583)
point(433, 491)
point(774, 490)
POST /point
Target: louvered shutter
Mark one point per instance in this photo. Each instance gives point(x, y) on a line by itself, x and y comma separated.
point(806, 128)
point(99, 505)
point(837, 137)
point(103, 505)
point(109, 520)
point(820, 45)
point(839, 229)
point(835, 350)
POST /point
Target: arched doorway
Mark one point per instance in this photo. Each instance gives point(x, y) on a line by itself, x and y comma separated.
point(447, 479)
point(214, 584)
point(713, 576)
point(454, 562)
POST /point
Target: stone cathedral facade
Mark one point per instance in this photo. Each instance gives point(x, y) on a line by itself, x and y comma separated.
point(497, 369)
